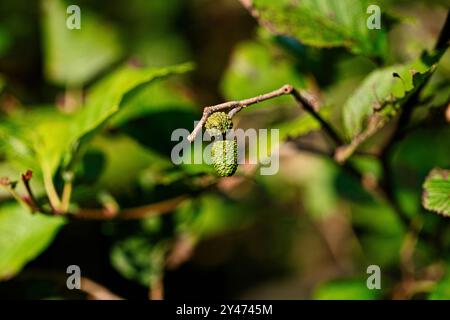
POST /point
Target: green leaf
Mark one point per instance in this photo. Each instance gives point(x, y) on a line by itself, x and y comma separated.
point(345, 289)
point(73, 57)
point(14, 148)
point(41, 138)
point(385, 90)
point(436, 193)
point(23, 236)
point(104, 100)
point(325, 23)
point(36, 139)
point(49, 138)
point(162, 96)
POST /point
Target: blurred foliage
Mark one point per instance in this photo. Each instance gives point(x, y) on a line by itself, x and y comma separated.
point(345, 290)
point(73, 57)
point(442, 290)
point(23, 237)
point(92, 111)
point(436, 195)
point(383, 90)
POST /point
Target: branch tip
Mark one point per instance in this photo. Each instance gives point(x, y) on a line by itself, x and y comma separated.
point(5, 181)
point(27, 175)
point(287, 88)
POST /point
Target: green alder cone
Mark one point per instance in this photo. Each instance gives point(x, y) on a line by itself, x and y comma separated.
point(224, 157)
point(218, 123)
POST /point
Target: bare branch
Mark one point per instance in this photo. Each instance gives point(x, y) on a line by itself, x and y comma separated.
point(306, 102)
point(237, 106)
point(34, 205)
point(96, 291)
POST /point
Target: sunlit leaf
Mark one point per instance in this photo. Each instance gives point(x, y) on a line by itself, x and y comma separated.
point(23, 236)
point(384, 90)
point(44, 137)
point(15, 148)
point(162, 96)
point(36, 139)
point(436, 194)
point(104, 100)
point(325, 23)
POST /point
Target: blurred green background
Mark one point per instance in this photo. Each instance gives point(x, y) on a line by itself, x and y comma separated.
point(308, 232)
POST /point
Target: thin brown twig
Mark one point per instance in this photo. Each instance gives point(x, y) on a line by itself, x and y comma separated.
point(96, 291)
point(131, 213)
point(34, 204)
point(308, 106)
point(10, 186)
point(237, 106)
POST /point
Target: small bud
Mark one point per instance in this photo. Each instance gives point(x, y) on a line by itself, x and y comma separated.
point(4, 181)
point(218, 123)
point(27, 175)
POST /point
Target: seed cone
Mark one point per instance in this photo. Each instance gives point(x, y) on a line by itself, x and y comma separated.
point(224, 157)
point(218, 123)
